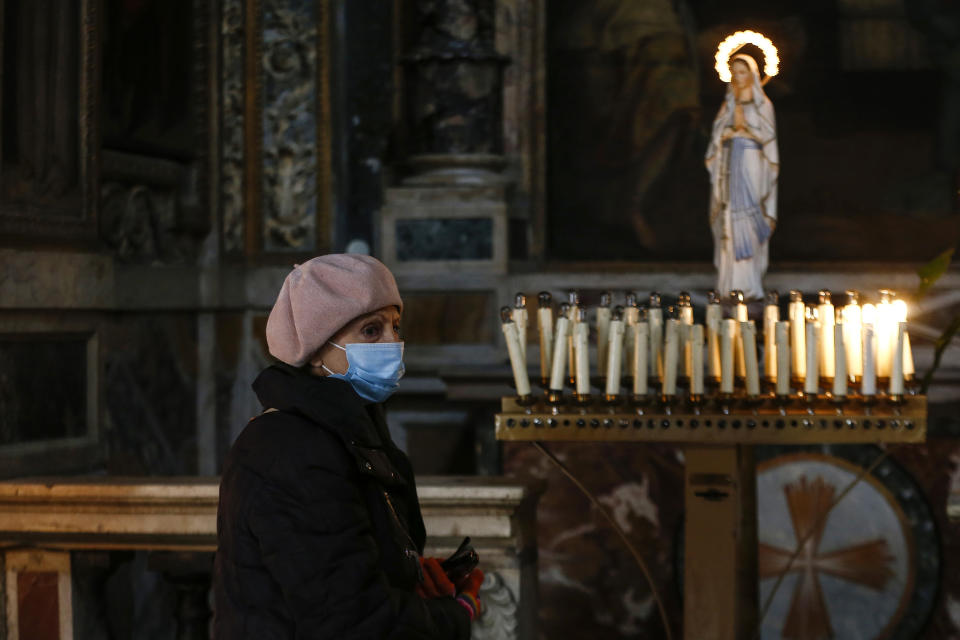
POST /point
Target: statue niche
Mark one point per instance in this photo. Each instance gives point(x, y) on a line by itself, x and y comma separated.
point(41, 172)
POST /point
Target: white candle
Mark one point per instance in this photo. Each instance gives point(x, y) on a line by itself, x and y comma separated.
point(581, 346)
point(771, 315)
point(631, 315)
point(574, 314)
point(869, 350)
point(840, 358)
point(671, 357)
point(696, 359)
point(900, 315)
point(728, 332)
point(520, 377)
point(713, 319)
point(603, 332)
point(655, 318)
point(641, 338)
point(886, 334)
point(545, 326)
point(826, 317)
point(748, 334)
point(559, 354)
point(614, 357)
point(685, 350)
point(798, 335)
point(686, 321)
point(908, 369)
point(852, 335)
point(521, 319)
point(740, 314)
point(741, 311)
point(783, 358)
point(896, 366)
point(811, 382)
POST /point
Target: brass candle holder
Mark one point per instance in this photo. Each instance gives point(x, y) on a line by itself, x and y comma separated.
point(640, 401)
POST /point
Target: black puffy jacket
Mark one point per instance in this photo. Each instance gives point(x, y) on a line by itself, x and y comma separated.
point(319, 529)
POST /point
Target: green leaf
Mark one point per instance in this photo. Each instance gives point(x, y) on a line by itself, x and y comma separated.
point(940, 346)
point(933, 270)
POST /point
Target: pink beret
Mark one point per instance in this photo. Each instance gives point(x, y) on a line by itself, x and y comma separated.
point(322, 295)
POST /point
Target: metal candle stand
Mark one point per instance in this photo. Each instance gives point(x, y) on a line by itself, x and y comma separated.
point(715, 419)
point(810, 396)
point(718, 432)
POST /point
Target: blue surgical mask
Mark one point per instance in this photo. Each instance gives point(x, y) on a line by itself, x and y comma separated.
point(373, 369)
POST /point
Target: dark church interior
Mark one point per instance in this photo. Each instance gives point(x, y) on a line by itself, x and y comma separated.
point(165, 164)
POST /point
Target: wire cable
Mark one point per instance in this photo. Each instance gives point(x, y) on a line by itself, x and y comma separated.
point(616, 527)
point(821, 519)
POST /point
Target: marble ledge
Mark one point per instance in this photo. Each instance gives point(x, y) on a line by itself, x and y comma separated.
point(179, 513)
point(493, 491)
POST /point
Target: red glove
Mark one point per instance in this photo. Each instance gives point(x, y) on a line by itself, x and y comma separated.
point(471, 583)
point(435, 583)
point(467, 590)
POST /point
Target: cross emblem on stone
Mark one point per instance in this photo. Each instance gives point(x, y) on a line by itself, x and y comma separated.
point(867, 563)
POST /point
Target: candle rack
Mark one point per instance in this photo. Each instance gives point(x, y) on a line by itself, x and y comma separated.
point(837, 376)
point(717, 432)
point(716, 420)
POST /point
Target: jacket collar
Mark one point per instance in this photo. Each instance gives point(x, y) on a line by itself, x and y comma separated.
point(330, 402)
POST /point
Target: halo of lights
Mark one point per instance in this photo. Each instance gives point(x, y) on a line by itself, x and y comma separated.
point(771, 62)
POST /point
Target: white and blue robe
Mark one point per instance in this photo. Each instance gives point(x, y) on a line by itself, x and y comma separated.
point(743, 201)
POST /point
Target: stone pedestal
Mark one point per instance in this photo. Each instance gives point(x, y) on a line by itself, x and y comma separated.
point(458, 227)
point(451, 211)
point(37, 595)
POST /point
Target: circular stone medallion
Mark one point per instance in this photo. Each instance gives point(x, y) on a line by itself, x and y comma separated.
point(855, 575)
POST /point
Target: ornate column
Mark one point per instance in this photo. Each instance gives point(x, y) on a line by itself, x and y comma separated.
point(275, 127)
point(454, 95)
point(450, 209)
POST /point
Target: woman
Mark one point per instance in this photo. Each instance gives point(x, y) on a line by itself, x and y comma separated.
point(319, 529)
point(744, 164)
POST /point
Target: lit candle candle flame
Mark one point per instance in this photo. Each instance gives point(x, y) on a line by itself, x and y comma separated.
point(852, 333)
point(899, 311)
point(900, 315)
point(886, 334)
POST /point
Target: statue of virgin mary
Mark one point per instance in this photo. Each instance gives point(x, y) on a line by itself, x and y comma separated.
point(744, 163)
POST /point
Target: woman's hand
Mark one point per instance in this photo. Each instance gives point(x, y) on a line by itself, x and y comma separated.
point(435, 583)
point(471, 582)
point(467, 590)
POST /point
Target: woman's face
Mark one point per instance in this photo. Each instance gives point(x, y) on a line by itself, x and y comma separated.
point(742, 77)
point(382, 325)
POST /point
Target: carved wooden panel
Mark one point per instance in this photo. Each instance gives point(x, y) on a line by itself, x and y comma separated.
point(286, 147)
point(232, 123)
point(448, 318)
